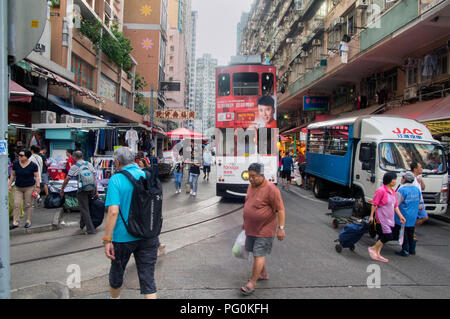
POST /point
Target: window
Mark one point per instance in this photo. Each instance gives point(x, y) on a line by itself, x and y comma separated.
point(442, 61)
point(107, 88)
point(224, 84)
point(399, 156)
point(84, 73)
point(412, 75)
point(125, 98)
point(336, 140)
point(316, 141)
point(245, 84)
point(267, 84)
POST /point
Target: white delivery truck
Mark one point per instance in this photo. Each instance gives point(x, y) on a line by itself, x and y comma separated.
point(355, 153)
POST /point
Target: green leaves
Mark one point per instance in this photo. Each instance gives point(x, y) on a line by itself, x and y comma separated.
point(118, 49)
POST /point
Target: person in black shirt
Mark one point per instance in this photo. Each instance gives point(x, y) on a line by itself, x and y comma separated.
point(25, 174)
point(194, 173)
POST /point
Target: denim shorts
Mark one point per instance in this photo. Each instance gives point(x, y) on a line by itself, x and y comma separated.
point(259, 246)
point(145, 253)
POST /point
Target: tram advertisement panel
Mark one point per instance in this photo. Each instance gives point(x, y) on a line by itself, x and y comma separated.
point(247, 112)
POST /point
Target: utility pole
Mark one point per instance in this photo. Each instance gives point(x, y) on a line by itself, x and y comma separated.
point(151, 117)
point(5, 270)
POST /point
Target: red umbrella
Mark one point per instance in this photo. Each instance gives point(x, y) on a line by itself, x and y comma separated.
point(181, 133)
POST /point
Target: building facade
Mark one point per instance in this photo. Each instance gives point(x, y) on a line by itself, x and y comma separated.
point(205, 95)
point(145, 24)
point(364, 56)
point(192, 65)
point(178, 55)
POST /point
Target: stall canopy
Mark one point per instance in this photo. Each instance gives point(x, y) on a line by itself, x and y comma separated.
point(76, 112)
point(18, 93)
point(181, 133)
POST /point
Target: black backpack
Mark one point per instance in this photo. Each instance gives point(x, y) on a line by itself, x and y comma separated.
point(145, 215)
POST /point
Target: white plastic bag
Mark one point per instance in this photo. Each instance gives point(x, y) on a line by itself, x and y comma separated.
point(239, 246)
point(402, 235)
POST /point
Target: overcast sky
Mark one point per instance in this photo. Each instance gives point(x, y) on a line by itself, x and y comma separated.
point(217, 26)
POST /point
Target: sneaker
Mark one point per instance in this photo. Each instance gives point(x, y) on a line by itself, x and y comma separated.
point(191, 193)
point(194, 194)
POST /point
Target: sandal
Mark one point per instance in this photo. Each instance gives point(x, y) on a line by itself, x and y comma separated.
point(263, 278)
point(247, 291)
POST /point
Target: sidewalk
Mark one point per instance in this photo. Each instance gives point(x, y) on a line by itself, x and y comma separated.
point(43, 220)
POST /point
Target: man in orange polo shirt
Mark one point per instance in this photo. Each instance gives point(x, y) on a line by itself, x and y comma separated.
point(263, 208)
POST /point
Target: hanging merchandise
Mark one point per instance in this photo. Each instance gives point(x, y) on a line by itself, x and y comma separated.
point(132, 139)
point(343, 51)
point(106, 140)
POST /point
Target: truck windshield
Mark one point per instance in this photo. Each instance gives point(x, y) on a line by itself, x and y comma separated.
point(399, 156)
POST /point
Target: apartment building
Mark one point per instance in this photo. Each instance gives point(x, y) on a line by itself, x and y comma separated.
point(192, 66)
point(145, 24)
point(205, 95)
point(364, 56)
point(178, 55)
point(68, 66)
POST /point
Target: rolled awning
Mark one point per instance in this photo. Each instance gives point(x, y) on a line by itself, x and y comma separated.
point(18, 93)
point(76, 112)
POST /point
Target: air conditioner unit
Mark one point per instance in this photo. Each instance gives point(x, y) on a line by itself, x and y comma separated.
point(66, 119)
point(80, 120)
point(410, 93)
point(48, 117)
point(362, 4)
point(316, 42)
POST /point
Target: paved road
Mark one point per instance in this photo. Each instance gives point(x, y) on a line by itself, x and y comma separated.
point(199, 263)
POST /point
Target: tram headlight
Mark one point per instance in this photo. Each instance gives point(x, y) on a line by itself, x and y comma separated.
point(245, 175)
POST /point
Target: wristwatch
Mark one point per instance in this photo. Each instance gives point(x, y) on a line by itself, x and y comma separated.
point(281, 227)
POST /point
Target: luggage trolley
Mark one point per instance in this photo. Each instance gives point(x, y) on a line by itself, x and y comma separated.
point(341, 210)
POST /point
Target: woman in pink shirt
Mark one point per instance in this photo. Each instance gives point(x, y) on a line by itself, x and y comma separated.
point(385, 206)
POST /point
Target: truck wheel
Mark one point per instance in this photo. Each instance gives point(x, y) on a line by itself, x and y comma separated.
point(319, 189)
point(361, 208)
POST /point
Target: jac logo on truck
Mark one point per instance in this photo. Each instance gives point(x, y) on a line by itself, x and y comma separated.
point(407, 133)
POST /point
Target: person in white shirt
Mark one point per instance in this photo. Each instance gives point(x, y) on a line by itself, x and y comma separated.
point(37, 159)
point(417, 170)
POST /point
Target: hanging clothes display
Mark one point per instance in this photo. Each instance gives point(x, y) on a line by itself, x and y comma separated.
point(343, 51)
point(106, 140)
point(132, 139)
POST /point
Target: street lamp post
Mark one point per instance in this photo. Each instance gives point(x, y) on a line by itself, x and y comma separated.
point(5, 271)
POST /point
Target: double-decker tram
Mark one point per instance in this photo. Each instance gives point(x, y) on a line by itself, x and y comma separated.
point(246, 123)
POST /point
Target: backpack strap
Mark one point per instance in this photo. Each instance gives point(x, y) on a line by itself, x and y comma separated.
point(133, 181)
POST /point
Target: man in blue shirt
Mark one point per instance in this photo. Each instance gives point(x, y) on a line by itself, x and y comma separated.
point(119, 244)
point(287, 165)
point(409, 200)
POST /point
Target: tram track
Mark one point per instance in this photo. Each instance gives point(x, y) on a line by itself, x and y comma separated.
point(193, 224)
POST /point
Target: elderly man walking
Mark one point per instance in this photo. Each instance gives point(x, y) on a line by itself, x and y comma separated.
point(263, 208)
point(119, 244)
point(87, 188)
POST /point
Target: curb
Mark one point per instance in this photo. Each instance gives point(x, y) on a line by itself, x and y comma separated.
point(49, 290)
point(55, 225)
